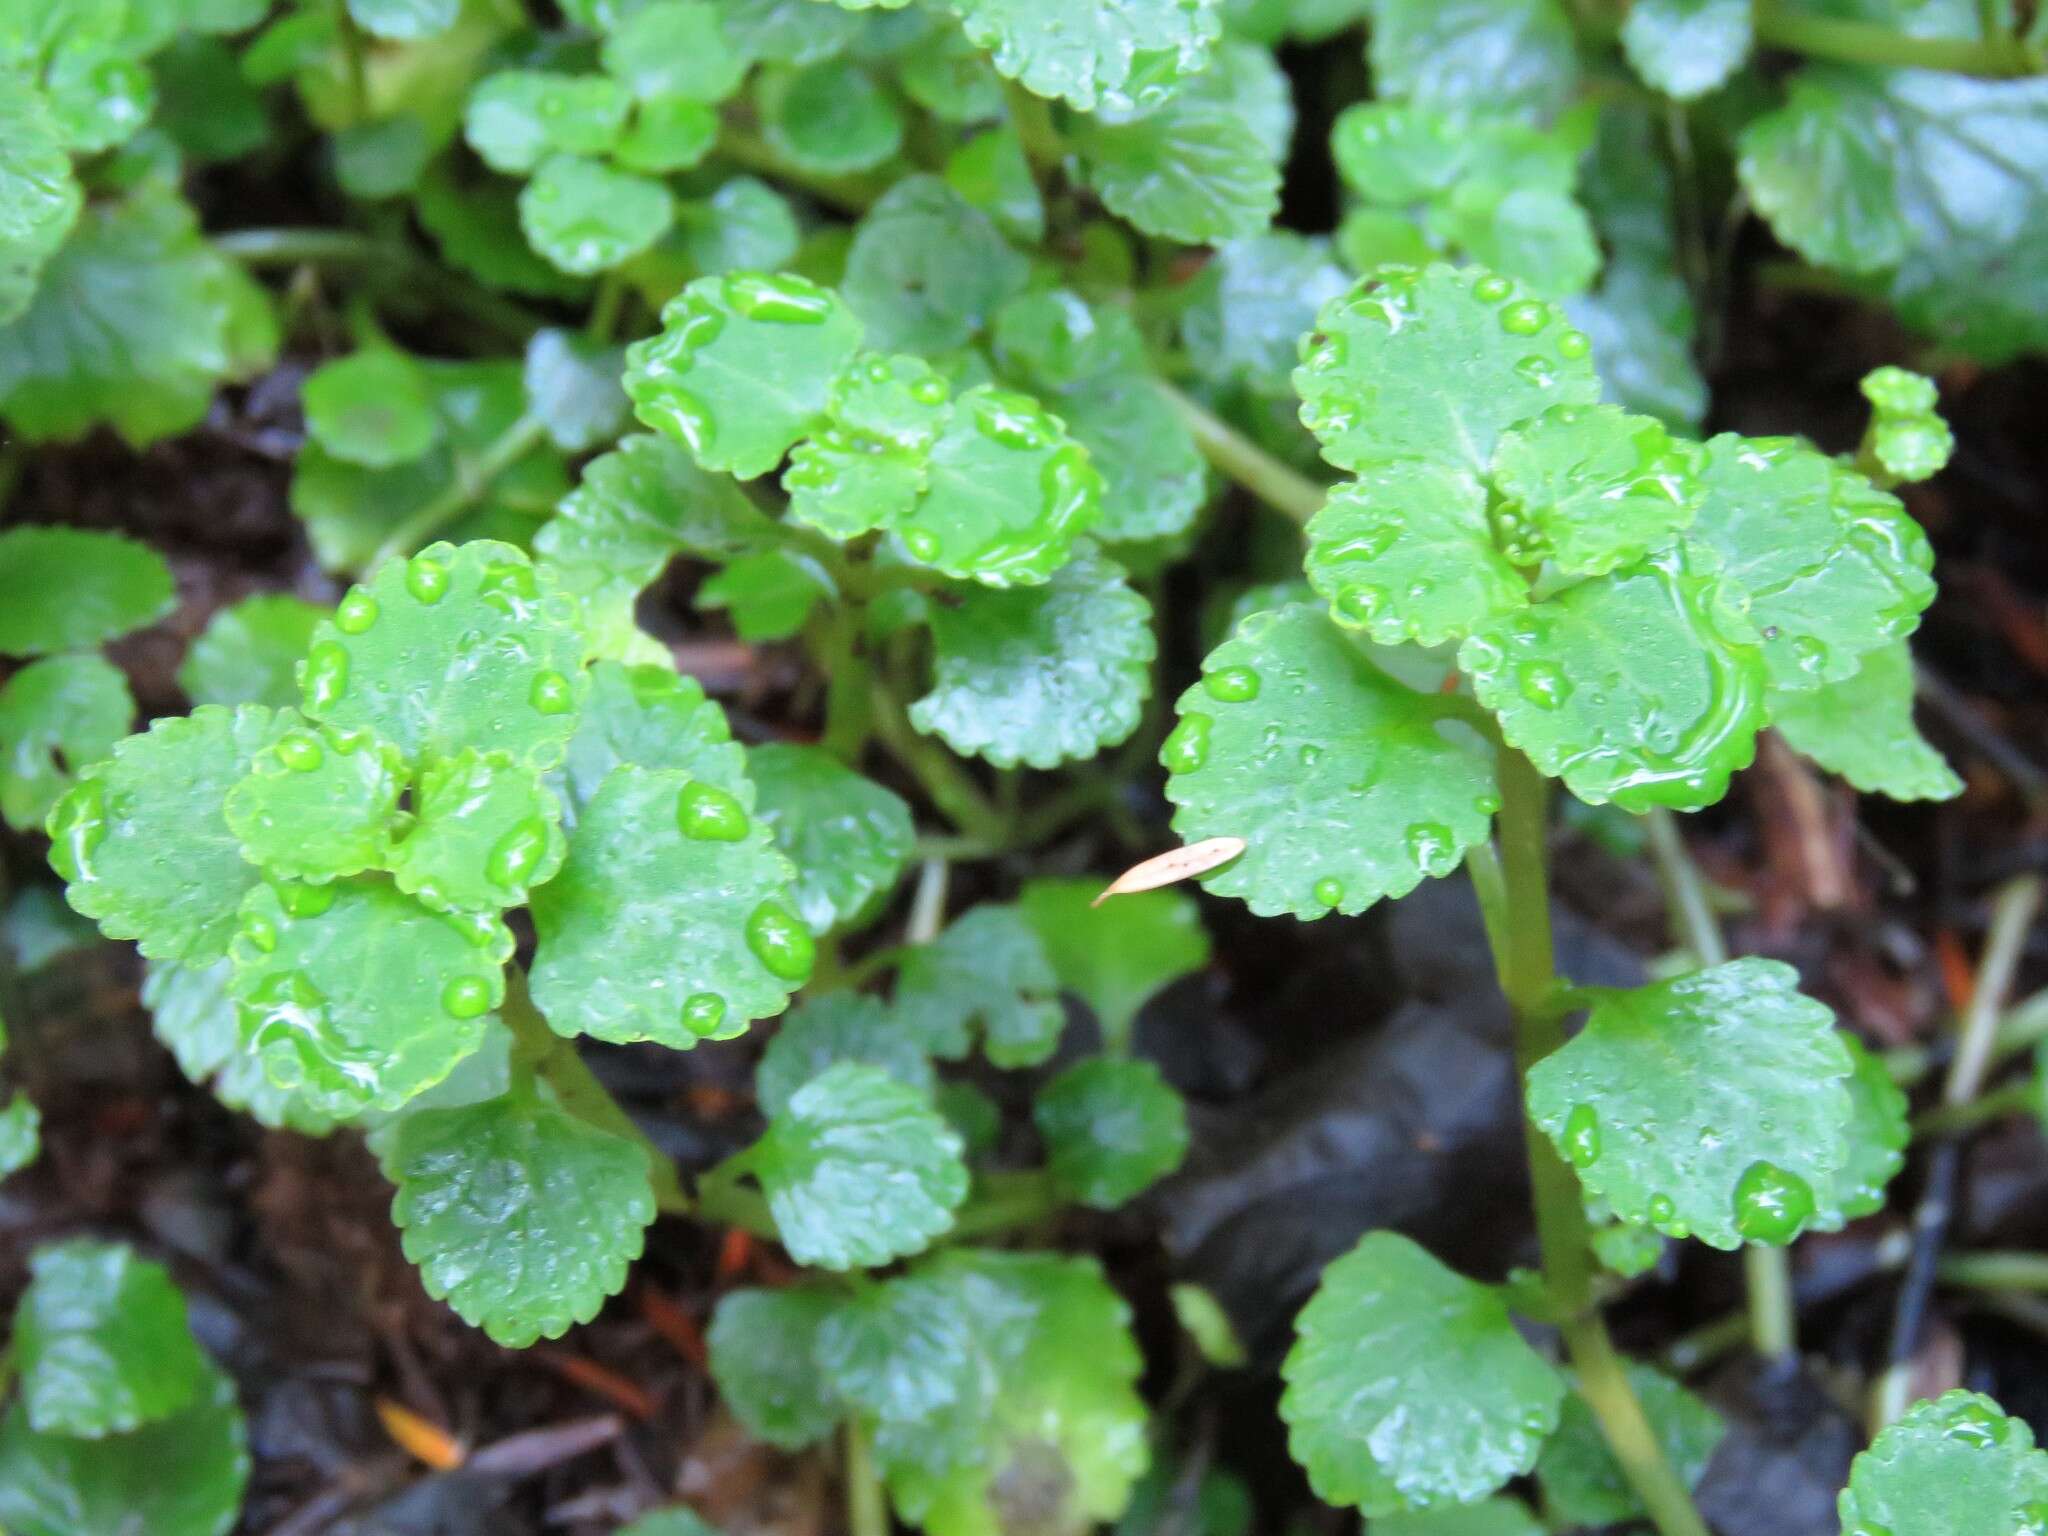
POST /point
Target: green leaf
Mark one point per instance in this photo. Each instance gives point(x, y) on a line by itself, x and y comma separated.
point(788, 31)
point(587, 218)
point(1055, 340)
point(484, 831)
point(848, 837)
point(404, 20)
point(86, 56)
point(675, 49)
point(1581, 1481)
point(1500, 1516)
point(941, 69)
point(457, 647)
point(739, 370)
point(477, 229)
point(670, 921)
point(770, 593)
point(1335, 775)
point(1197, 169)
point(249, 652)
point(649, 717)
point(1834, 567)
point(640, 506)
point(355, 996)
point(1590, 488)
point(927, 269)
point(1252, 305)
point(193, 1015)
point(830, 118)
point(763, 1357)
point(1118, 956)
point(316, 804)
point(141, 840)
point(1958, 1465)
point(1907, 436)
point(1686, 48)
point(1406, 552)
point(1112, 1129)
point(669, 133)
point(992, 173)
point(71, 588)
point(1877, 1142)
point(988, 966)
point(678, 1521)
point(858, 1169)
point(517, 118)
point(1490, 55)
point(1154, 479)
point(1643, 687)
point(39, 197)
point(520, 1216)
point(54, 1485)
point(744, 225)
point(1123, 58)
point(21, 1138)
point(572, 384)
point(1434, 364)
point(382, 158)
point(1408, 1386)
point(101, 1342)
point(840, 1026)
point(1044, 674)
point(1712, 1106)
point(868, 467)
point(57, 715)
point(371, 408)
point(1862, 728)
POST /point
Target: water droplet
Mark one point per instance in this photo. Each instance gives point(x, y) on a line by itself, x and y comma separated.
point(1582, 1136)
point(1524, 319)
point(1014, 421)
point(1539, 371)
point(708, 813)
point(78, 825)
point(1771, 1205)
point(1661, 1211)
point(426, 579)
point(1574, 344)
point(356, 613)
point(679, 413)
point(922, 543)
point(780, 942)
point(1542, 684)
point(466, 997)
point(261, 932)
point(1975, 1425)
point(1810, 654)
point(1330, 891)
point(782, 298)
point(301, 752)
point(1492, 288)
point(1187, 747)
point(1357, 605)
point(929, 391)
point(703, 1012)
point(1310, 755)
point(517, 854)
point(1232, 685)
point(324, 678)
point(510, 588)
point(551, 694)
point(1432, 848)
point(300, 899)
point(2033, 1519)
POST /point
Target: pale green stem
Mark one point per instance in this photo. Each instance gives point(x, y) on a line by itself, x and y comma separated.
point(2013, 914)
point(409, 270)
point(1240, 459)
point(867, 1511)
point(470, 487)
point(1862, 42)
point(1947, 1119)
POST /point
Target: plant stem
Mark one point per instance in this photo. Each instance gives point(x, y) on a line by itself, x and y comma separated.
point(1521, 907)
point(2024, 1026)
point(1862, 42)
point(867, 1514)
point(605, 308)
point(1031, 116)
point(470, 487)
point(951, 790)
point(353, 59)
point(343, 247)
point(1240, 459)
point(748, 150)
point(1004, 1200)
point(2012, 915)
point(1948, 1119)
point(849, 685)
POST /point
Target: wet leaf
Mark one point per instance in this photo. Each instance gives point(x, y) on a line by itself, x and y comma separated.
point(763, 1357)
point(39, 197)
point(1112, 1129)
point(648, 717)
point(1124, 57)
point(1257, 297)
point(1877, 1139)
point(768, 594)
point(71, 588)
point(484, 831)
point(1958, 1464)
point(249, 652)
point(989, 966)
point(832, 118)
point(572, 384)
point(927, 269)
point(1862, 728)
point(517, 118)
point(1686, 48)
point(639, 506)
point(371, 408)
point(1590, 488)
point(1581, 1481)
point(1115, 958)
point(585, 218)
point(316, 803)
point(193, 1015)
point(57, 715)
point(1907, 436)
point(848, 837)
point(674, 49)
point(1490, 55)
point(839, 1026)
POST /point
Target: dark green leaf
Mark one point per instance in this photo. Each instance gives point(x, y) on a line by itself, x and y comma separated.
point(1686, 48)
point(71, 588)
point(586, 218)
point(1112, 1129)
point(848, 837)
point(57, 716)
point(840, 1026)
point(1489, 55)
point(675, 48)
point(831, 118)
point(1581, 1481)
point(990, 966)
point(763, 1356)
point(927, 269)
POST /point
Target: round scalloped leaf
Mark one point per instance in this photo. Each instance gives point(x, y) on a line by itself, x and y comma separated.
point(585, 217)
point(1116, 956)
point(1007, 493)
point(1405, 552)
point(1408, 1386)
point(1127, 58)
point(57, 715)
point(355, 996)
point(650, 717)
point(927, 269)
point(71, 588)
point(1686, 48)
point(1154, 478)
point(249, 652)
point(1956, 1466)
point(141, 841)
point(741, 367)
point(1907, 435)
point(317, 803)
point(1862, 728)
point(1590, 488)
point(101, 1342)
point(832, 118)
point(867, 469)
point(520, 1216)
point(858, 1169)
point(517, 117)
point(639, 506)
point(197, 1021)
point(1041, 675)
point(674, 48)
point(1112, 1129)
point(39, 195)
point(764, 1359)
point(848, 837)
point(1581, 1481)
point(371, 408)
point(991, 966)
point(1435, 363)
point(457, 647)
point(55, 1485)
point(484, 832)
point(1877, 1142)
point(1643, 687)
point(671, 919)
point(1712, 1106)
point(839, 1026)
point(572, 384)
point(1335, 775)
point(1834, 567)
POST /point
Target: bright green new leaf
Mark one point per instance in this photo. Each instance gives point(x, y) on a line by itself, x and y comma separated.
point(1053, 340)
point(316, 803)
point(355, 996)
point(769, 594)
point(1116, 957)
point(674, 49)
point(457, 647)
point(1834, 568)
point(670, 921)
point(520, 1216)
point(1862, 728)
point(649, 717)
point(1643, 687)
point(839, 1026)
point(517, 118)
point(1581, 1481)
point(371, 408)
point(1877, 1142)
point(927, 269)
point(990, 966)
point(848, 837)
point(1958, 1465)
point(141, 840)
point(1590, 488)
point(1126, 57)
point(1335, 775)
point(404, 20)
point(740, 368)
point(195, 1018)
point(1044, 674)
point(1112, 1129)
point(71, 588)
point(640, 506)
point(764, 1359)
point(1907, 436)
point(1484, 55)
point(484, 830)
point(867, 469)
point(572, 384)
point(1255, 299)
point(587, 218)
point(1435, 363)
point(249, 652)
point(1408, 1386)
point(86, 58)
point(39, 197)
point(1686, 48)
point(831, 119)
point(1712, 1106)
point(57, 715)
point(101, 1342)
point(858, 1169)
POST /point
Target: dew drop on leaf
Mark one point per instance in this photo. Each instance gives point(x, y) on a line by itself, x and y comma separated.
point(302, 899)
point(780, 942)
point(518, 854)
point(1433, 848)
point(1661, 1210)
point(551, 694)
point(1771, 1205)
point(1542, 684)
point(356, 613)
point(426, 580)
point(708, 813)
point(784, 299)
point(1524, 319)
point(703, 1012)
point(1976, 1426)
point(1330, 891)
point(326, 676)
point(78, 825)
point(301, 752)
point(1582, 1136)
point(1232, 685)
point(1187, 748)
point(466, 997)
point(1492, 288)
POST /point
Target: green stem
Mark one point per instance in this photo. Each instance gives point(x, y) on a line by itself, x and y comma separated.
point(353, 59)
point(1862, 42)
point(849, 685)
point(606, 307)
point(951, 790)
point(2013, 913)
point(1948, 1119)
point(1031, 116)
point(867, 1514)
point(2024, 1026)
point(470, 487)
point(1240, 459)
point(409, 271)
point(1003, 1201)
